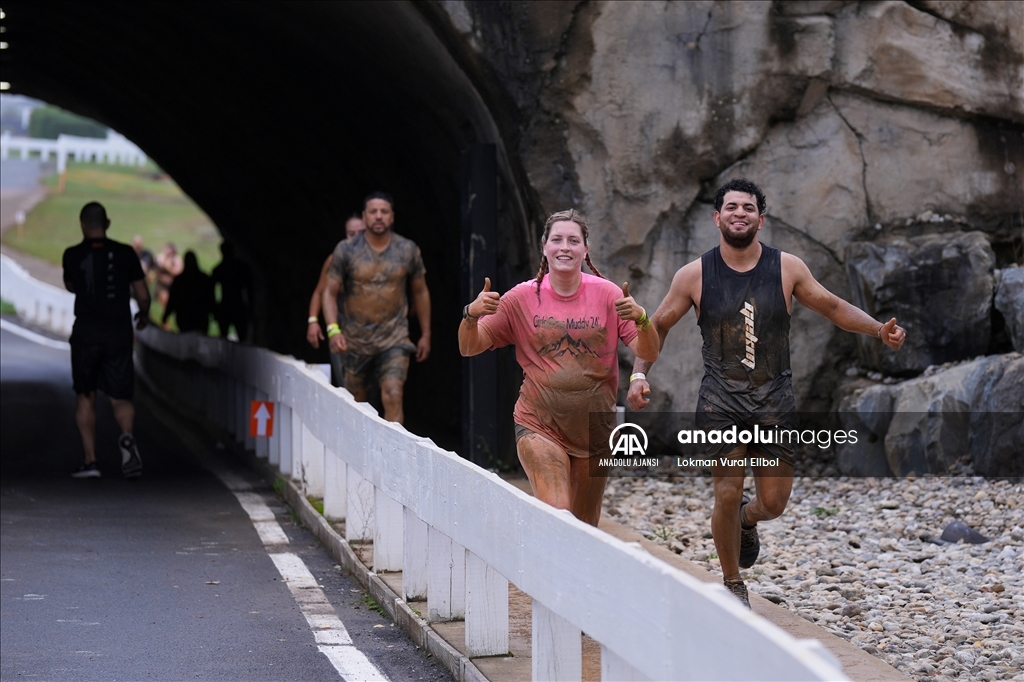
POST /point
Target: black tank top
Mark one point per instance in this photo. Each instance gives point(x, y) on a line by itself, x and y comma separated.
point(745, 326)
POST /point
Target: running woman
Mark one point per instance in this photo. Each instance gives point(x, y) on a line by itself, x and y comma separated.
point(742, 292)
point(565, 326)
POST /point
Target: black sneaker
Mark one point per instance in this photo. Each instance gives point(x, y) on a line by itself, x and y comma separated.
point(89, 470)
point(739, 589)
point(750, 544)
point(131, 463)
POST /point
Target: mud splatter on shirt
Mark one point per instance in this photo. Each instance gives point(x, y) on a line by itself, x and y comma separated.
point(373, 306)
point(567, 347)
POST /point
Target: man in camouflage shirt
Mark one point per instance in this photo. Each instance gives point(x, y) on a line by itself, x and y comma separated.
point(366, 308)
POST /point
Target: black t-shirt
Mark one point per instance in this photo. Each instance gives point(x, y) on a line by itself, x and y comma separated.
point(101, 272)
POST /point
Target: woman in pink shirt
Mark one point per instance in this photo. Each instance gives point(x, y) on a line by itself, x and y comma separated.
point(565, 326)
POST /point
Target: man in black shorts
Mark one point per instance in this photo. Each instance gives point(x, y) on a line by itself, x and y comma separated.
point(102, 274)
point(743, 294)
point(366, 308)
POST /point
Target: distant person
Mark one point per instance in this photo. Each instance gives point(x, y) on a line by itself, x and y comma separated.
point(191, 298)
point(314, 335)
point(145, 255)
point(100, 273)
point(168, 266)
point(366, 307)
point(566, 327)
point(235, 280)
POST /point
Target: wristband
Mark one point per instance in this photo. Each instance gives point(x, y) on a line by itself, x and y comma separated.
point(333, 331)
point(644, 322)
point(637, 375)
point(880, 330)
point(312, 319)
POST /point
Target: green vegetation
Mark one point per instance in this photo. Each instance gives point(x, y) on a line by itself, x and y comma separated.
point(317, 504)
point(7, 308)
point(372, 604)
point(139, 201)
point(48, 122)
point(822, 512)
point(279, 486)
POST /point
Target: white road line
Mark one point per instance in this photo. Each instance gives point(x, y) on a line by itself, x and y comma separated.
point(9, 326)
point(331, 636)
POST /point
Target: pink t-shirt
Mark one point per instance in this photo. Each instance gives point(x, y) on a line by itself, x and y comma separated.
point(567, 347)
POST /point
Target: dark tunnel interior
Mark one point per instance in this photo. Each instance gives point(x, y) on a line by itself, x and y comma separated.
point(277, 119)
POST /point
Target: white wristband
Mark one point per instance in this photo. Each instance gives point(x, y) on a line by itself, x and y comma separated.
point(312, 319)
point(637, 375)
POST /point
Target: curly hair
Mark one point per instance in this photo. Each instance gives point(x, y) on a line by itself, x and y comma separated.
point(741, 185)
point(570, 215)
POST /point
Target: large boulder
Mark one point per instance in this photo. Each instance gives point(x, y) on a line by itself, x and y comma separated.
point(909, 55)
point(1010, 303)
point(970, 414)
point(855, 117)
point(938, 287)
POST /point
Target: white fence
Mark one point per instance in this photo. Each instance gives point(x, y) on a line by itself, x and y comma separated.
point(115, 148)
point(39, 303)
point(459, 533)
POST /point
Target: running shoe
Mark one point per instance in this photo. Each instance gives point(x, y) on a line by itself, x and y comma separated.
point(750, 543)
point(131, 463)
point(739, 590)
point(89, 470)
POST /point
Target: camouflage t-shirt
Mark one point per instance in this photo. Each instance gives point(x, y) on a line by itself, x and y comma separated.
point(373, 307)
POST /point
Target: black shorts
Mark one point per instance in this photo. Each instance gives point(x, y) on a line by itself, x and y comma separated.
point(104, 366)
point(712, 415)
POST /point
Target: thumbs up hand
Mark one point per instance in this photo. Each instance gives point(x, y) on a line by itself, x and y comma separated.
point(627, 308)
point(486, 302)
point(892, 335)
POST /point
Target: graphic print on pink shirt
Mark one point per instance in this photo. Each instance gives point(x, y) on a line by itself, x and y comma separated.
point(568, 356)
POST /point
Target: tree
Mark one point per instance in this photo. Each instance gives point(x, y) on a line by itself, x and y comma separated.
point(48, 122)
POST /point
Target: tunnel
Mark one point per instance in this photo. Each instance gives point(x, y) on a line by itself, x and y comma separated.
point(277, 119)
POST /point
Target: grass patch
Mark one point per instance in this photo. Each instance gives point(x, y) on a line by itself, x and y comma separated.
point(279, 486)
point(372, 605)
point(317, 504)
point(7, 308)
point(139, 200)
point(822, 512)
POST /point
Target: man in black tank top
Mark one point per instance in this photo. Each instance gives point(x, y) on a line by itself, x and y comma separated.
point(743, 293)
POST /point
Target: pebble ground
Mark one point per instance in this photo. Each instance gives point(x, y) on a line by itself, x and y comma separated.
point(860, 558)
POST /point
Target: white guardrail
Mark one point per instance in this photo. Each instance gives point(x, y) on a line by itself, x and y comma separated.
point(459, 534)
point(38, 303)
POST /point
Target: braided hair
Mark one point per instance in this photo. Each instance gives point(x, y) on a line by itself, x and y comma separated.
point(570, 215)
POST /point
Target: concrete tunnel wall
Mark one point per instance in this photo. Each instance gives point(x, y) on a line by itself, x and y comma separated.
point(277, 119)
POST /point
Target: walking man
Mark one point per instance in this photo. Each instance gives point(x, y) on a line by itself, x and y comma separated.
point(366, 307)
point(102, 274)
point(235, 305)
point(314, 335)
point(742, 292)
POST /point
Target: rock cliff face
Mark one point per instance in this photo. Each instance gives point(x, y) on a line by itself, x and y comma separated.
point(863, 123)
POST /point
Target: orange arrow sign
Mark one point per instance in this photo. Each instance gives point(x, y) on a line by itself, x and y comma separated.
point(261, 418)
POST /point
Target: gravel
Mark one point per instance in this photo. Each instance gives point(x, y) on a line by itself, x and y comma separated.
point(861, 558)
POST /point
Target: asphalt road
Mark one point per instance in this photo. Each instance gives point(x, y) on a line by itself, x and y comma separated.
point(163, 578)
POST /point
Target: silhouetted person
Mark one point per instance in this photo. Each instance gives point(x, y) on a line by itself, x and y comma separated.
point(235, 280)
point(168, 266)
point(100, 273)
point(191, 298)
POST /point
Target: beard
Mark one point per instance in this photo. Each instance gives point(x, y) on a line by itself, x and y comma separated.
point(740, 241)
